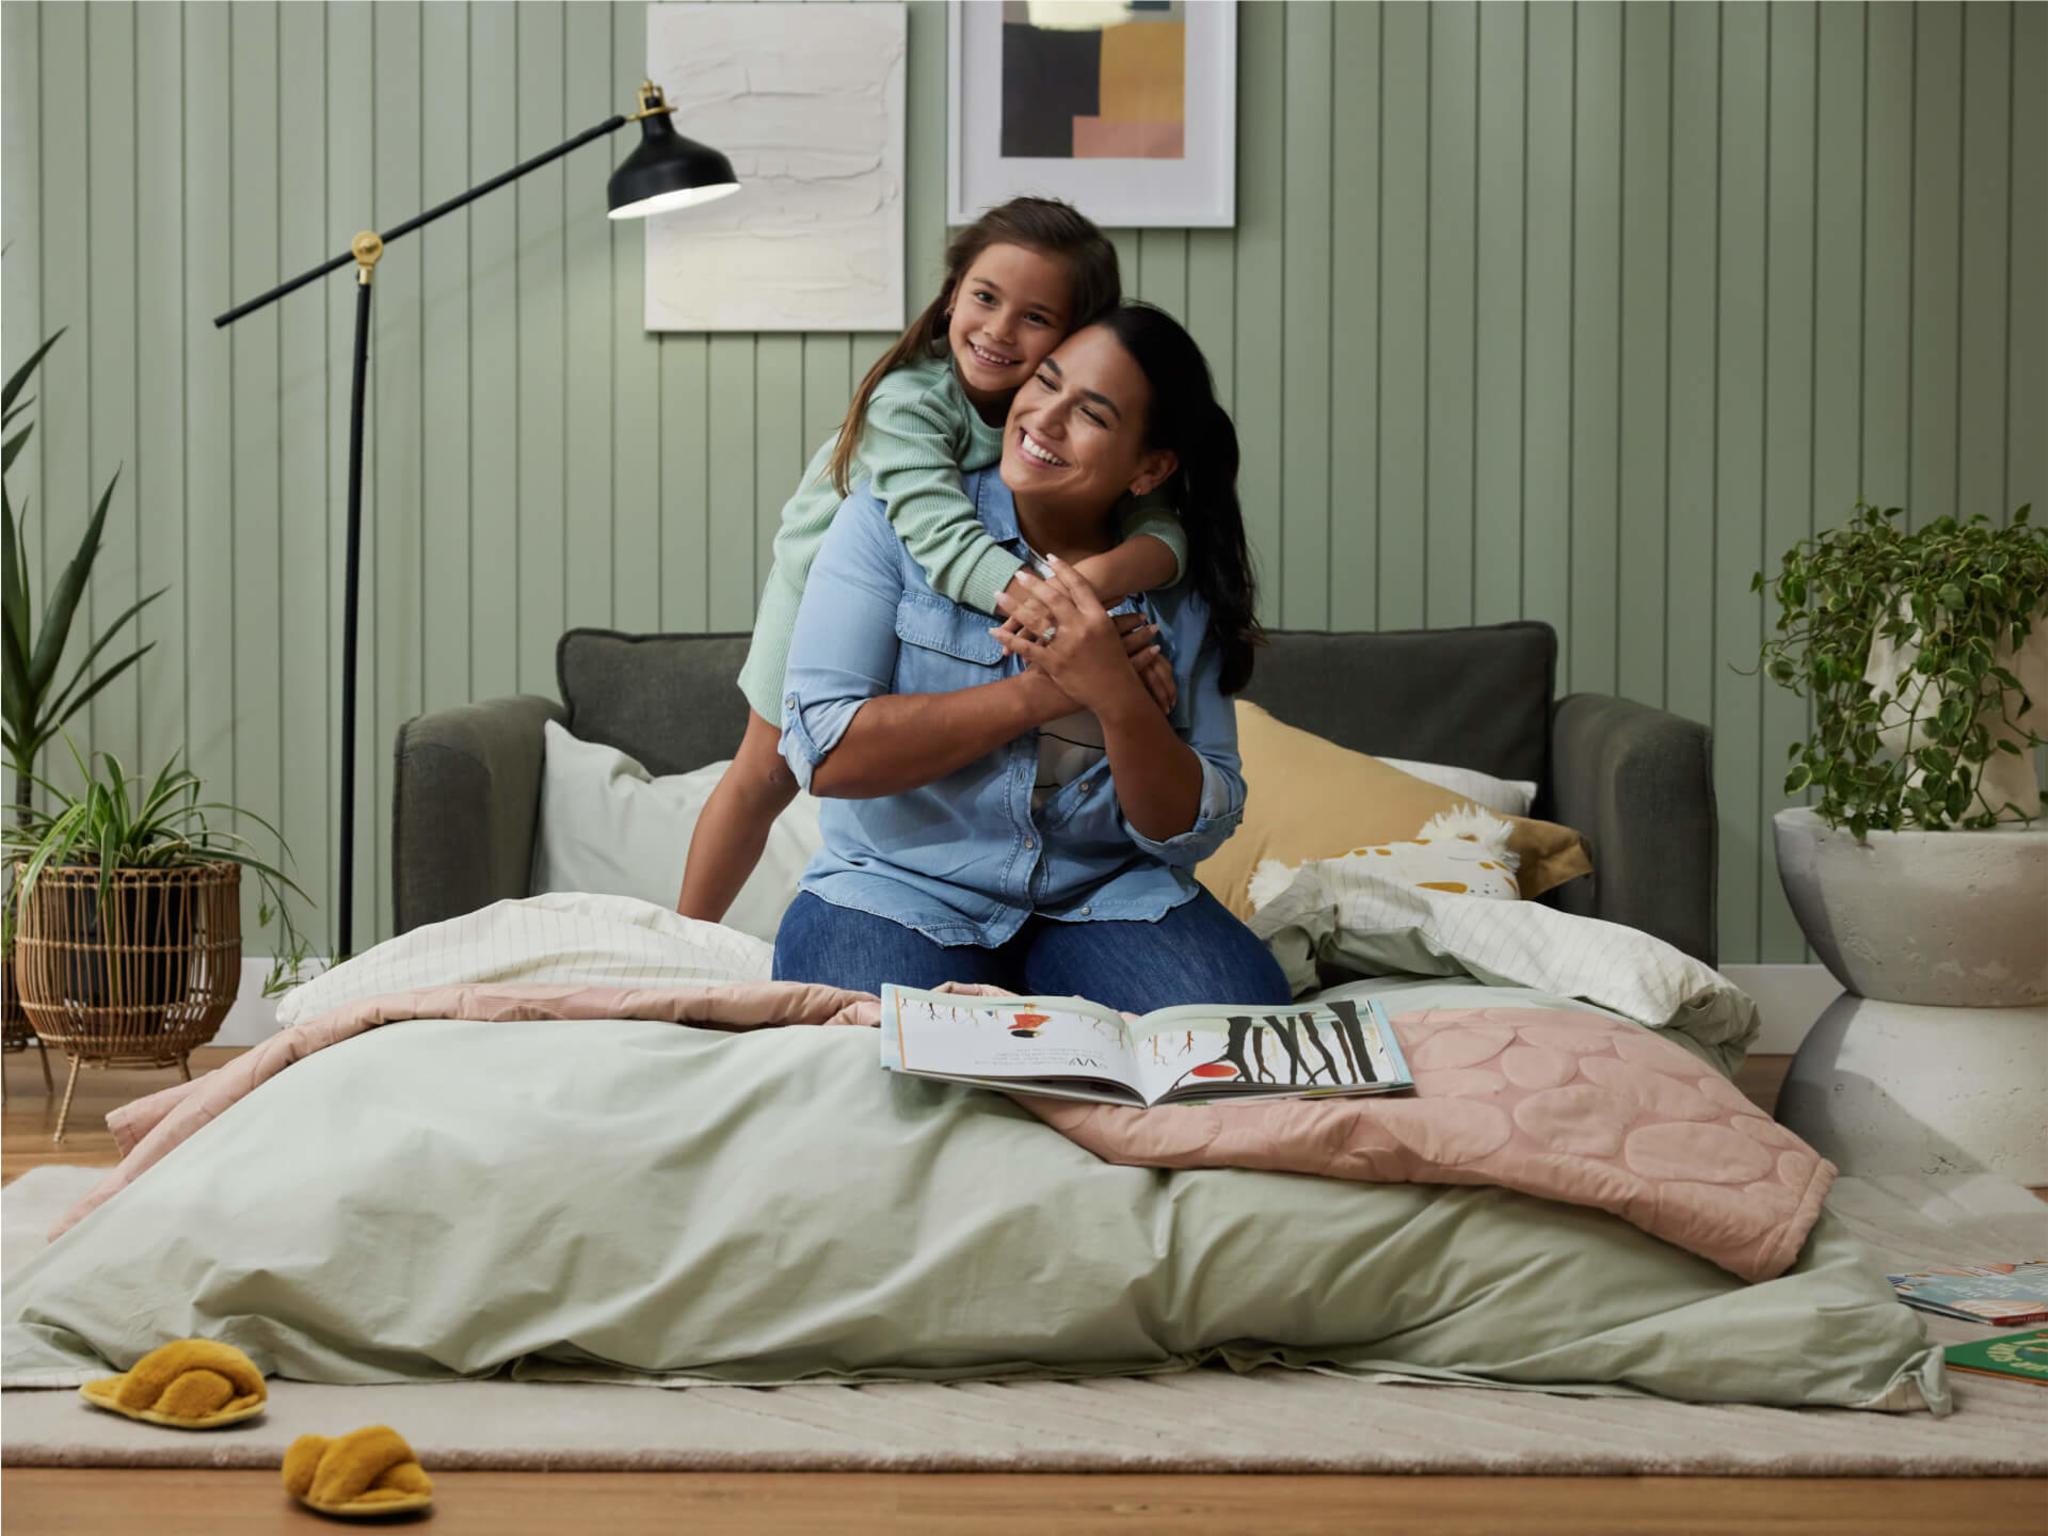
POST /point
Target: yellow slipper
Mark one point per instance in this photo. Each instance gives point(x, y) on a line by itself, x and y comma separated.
point(186, 1384)
point(368, 1471)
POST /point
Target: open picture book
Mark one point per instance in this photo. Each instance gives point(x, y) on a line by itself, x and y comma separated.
point(1068, 1047)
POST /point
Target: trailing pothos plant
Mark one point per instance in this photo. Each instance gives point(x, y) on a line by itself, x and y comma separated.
point(1967, 595)
point(117, 823)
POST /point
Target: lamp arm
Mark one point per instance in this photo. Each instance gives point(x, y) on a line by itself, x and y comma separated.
point(610, 125)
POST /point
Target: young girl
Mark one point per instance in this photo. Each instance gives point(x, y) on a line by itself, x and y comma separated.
point(1017, 281)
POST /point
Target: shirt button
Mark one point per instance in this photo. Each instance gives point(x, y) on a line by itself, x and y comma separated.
point(1030, 842)
point(790, 702)
point(1084, 911)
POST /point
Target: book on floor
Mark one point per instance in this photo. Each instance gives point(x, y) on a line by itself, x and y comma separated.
point(1068, 1047)
point(2003, 1295)
point(2020, 1356)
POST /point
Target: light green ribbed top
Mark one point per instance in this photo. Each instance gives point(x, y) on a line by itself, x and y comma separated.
point(921, 433)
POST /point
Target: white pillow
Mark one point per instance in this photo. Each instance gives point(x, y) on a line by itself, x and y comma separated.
point(1463, 852)
point(1510, 797)
point(607, 825)
point(1347, 914)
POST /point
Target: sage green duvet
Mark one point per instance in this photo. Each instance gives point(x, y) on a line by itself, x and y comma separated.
point(445, 1198)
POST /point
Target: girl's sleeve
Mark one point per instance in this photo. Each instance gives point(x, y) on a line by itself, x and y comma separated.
point(907, 447)
point(1152, 513)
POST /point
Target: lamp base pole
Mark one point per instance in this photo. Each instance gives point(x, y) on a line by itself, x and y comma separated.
point(367, 248)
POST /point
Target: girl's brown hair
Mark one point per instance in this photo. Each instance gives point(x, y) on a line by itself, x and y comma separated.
point(1040, 224)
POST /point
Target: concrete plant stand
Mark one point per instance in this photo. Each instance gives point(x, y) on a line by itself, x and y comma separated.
point(1935, 1059)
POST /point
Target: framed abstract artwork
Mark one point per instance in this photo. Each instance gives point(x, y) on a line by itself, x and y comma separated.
point(807, 103)
point(1125, 108)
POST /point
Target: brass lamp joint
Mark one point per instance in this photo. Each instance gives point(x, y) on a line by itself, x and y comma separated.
point(368, 246)
point(652, 102)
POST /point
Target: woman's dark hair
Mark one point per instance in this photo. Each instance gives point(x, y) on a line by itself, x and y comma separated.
point(1185, 418)
point(1040, 224)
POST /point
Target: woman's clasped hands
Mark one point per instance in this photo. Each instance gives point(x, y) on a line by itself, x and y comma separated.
point(1060, 627)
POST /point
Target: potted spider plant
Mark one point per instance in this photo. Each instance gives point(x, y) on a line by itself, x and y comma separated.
point(125, 916)
point(1919, 875)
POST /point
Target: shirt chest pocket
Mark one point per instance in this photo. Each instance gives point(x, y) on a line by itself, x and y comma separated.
point(945, 646)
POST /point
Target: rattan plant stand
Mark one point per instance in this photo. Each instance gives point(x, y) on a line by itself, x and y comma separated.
point(138, 979)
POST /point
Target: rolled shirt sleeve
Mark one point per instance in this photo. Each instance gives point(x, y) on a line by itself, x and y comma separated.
point(1212, 733)
point(843, 651)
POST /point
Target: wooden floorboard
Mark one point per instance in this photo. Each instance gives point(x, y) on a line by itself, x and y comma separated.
point(170, 1503)
point(67, 1501)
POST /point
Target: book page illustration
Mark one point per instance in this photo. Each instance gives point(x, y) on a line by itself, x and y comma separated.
point(1037, 1040)
point(1327, 1046)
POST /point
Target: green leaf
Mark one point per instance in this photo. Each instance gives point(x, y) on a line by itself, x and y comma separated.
point(98, 683)
point(20, 376)
point(1797, 779)
point(11, 449)
point(14, 594)
point(106, 639)
point(64, 597)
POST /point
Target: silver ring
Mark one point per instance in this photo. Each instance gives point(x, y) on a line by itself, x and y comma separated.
point(1045, 636)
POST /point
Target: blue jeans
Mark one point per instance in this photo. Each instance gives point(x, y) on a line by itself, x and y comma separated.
point(1196, 953)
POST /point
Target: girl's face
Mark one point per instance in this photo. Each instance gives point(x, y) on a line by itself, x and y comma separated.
point(1010, 309)
point(1076, 434)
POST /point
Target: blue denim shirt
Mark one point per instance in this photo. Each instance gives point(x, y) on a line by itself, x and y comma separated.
point(964, 860)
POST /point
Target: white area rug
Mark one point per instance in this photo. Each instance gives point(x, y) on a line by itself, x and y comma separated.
point(1200, 1421)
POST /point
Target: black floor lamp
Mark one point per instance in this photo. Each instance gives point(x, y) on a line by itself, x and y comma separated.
point(666, 172)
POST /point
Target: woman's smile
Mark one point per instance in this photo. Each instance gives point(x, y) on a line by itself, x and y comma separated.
point(1036, 452)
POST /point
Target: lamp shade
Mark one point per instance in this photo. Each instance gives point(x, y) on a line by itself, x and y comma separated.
point(666, 172)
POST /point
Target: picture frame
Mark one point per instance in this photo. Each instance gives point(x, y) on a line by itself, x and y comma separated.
point(1026, 89)
point(812, 116)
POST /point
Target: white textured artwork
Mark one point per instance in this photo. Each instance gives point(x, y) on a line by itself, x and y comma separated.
point(807, 103)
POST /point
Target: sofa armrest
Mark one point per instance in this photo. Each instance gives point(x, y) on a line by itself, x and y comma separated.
point(1638, 783)
point(468, 793)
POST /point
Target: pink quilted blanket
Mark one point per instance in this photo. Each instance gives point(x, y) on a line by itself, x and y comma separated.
point(1564, 1104)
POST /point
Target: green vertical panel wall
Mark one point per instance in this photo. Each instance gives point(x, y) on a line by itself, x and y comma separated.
point(1573, 312)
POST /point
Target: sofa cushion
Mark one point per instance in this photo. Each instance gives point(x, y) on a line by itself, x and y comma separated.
point(671, 702)
point(1475, 698)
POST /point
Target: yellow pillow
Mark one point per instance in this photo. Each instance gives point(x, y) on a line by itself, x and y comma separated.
point(1307, 798)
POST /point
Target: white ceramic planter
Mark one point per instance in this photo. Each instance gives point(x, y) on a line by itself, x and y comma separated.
point(1953, 919)
point(1935, 1059)
point(1904, 1088)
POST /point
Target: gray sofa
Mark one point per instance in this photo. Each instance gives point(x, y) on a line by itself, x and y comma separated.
point(1637, 782)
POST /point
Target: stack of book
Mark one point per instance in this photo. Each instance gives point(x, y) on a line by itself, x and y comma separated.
point(2003, 1295)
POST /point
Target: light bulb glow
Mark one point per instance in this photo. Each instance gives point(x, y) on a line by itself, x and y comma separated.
point(669, 202)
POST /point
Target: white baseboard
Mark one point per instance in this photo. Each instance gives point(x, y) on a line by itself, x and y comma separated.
point(253, 1019)
point(1790, 998)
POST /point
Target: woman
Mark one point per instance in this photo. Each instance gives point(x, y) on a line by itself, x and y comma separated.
point(1010, 806)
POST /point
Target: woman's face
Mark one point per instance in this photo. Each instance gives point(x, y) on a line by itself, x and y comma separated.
point(1076, 434)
